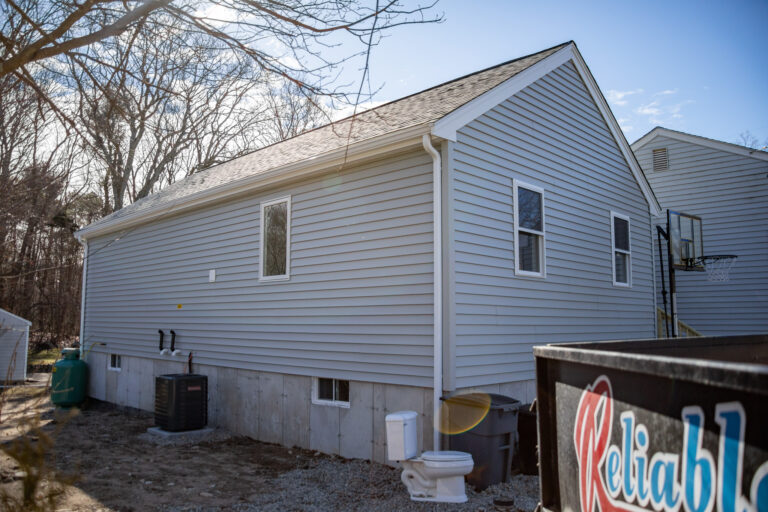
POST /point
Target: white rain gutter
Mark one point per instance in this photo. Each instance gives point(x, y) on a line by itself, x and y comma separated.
point(82, 293)
point(437, 246)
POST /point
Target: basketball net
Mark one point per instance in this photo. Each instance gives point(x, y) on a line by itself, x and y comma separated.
point(718, 267)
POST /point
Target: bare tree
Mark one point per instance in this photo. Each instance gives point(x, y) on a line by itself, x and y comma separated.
point(286, 39)
point(166, 111)
point(290, 112)
point(750, 141)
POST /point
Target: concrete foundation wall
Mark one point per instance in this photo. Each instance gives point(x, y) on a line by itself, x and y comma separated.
point(273, 407)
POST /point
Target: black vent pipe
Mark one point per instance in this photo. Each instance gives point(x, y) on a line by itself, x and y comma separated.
point(161, 338)
point(173, 341)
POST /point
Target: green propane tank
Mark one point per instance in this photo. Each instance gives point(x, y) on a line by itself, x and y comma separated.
point(69, 380)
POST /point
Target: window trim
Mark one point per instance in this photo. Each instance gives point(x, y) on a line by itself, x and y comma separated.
point(614, 249)
point(319, 401)
point(516, 184)
point(263, 206)
point(119, 362)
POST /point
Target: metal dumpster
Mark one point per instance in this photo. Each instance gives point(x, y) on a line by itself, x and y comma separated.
point(672, 424)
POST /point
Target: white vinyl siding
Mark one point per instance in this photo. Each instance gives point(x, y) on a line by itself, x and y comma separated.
point(621, 245)
point(14, 344)
point(550, 134)
point(358, 305)
point(730, 193)
point(530, 258)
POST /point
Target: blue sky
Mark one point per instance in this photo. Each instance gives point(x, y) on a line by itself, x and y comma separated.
point(700, 67)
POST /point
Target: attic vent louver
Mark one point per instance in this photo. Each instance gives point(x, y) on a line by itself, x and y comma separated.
point(660, 160)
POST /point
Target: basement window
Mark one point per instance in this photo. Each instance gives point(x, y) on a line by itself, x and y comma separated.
point(275, 242)
point(529, 230)
point(660, 160)
point(115, 362)
point(330, 392)
point(622, 255)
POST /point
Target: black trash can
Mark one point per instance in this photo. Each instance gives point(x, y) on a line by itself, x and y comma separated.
point(492, 441)
point(527, 444)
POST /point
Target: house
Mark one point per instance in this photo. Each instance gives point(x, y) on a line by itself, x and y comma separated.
point(371, 265)
point(727, 186)
point(14, 342)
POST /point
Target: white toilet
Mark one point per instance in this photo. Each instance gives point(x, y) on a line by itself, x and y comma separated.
point(435, 476)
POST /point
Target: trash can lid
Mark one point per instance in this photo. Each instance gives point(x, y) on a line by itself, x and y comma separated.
point(401, 416)
point(484, 401)
point(446, 456)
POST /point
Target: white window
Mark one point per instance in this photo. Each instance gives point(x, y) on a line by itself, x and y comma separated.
point(622, 251)
point(529, 230)
point(275, 252)
point(115, 362)
point(330, 392)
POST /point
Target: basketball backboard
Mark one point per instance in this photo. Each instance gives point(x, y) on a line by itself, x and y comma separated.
point(685, 240)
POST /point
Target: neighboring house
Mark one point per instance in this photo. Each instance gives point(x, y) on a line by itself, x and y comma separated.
point(727, 186)
point(303, 276)
point(14, 343)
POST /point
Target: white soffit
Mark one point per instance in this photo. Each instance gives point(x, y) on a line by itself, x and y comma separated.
point(701, 141)
point(447, 126)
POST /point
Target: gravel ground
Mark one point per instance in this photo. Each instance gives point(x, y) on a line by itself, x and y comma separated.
point(119, 467)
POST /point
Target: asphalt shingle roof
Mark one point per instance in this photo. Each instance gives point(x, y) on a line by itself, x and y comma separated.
point(423, 107)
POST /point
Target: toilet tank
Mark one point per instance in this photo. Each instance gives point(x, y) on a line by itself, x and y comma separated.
point(402, 437)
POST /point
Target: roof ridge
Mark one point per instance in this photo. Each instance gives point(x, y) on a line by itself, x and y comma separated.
point(742, 146)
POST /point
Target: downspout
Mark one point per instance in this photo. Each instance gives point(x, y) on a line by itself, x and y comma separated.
point(653, 269)
point(437, 256)
point(84, 242)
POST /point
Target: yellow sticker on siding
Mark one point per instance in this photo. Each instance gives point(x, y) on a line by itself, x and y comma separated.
point(178, 306)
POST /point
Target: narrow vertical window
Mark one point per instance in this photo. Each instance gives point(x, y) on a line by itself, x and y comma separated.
point(529, 230)
point(622, 252)
point(275, 239)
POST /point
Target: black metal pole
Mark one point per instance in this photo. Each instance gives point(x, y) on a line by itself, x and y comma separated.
point(672, 287)
point(659, 232)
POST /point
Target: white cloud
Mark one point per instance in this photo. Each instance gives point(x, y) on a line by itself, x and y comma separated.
point(651, 109)
point(666, 92)
point(618, 97)
point(674, 110)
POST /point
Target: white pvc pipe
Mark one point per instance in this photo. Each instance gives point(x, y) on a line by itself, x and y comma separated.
point(437, 246)
point(82, 294)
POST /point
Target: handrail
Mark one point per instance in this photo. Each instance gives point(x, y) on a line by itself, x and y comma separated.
point(685, 330)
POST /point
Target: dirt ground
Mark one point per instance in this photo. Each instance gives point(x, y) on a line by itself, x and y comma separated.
point(110, 463)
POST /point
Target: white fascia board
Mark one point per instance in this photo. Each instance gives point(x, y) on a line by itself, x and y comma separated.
point(701, 141)
point(393, 141)
point(8, 313)
point(645, 139)
point(448, 125)
point(618, 135)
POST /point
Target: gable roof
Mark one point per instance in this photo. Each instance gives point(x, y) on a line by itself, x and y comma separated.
point(10, 318)
point(701, 141)
point(438, 111)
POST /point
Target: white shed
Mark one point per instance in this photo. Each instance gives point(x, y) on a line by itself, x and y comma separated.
point(14, 342)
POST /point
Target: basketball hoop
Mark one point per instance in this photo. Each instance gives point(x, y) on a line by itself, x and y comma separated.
point(718, 266)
